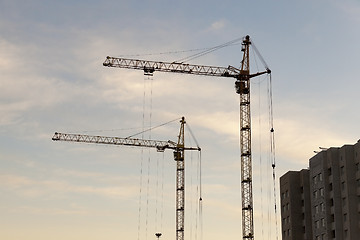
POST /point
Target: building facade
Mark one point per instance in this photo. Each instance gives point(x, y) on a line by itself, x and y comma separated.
point(295, 191)
point(333, 187)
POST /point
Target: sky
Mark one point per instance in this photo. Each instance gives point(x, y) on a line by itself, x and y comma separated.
point(52, 79)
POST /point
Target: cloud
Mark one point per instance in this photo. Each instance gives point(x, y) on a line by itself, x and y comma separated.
point(350, 8)
point(33, 188)
point(218, 25)
point(52, 211)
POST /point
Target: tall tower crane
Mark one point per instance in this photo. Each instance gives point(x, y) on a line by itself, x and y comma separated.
point(179, 156)
point(242, 86)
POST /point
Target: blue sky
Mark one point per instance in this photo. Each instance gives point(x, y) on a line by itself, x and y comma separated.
point(52, 79)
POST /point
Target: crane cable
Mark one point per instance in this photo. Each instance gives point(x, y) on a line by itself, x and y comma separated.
point(272, 149)
point(259, 55)
point(152, 128)
point(272, 136)
point(209, 50)
point(200, 196)
point(203, 52)
point(150, 78)
point(142, 159)
point(260, 159)
point(198, 211)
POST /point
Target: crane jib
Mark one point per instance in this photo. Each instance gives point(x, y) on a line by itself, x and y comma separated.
point(152, 66)
point(159, 145)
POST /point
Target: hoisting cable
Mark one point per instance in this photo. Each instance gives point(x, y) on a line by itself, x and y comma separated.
point(272, 149)
point(198, 222)
point(156, 193)
point(162, 192)
point(191, 196)
point(272, 138)
point(147, 78)
point(141, 164)
point(142, 158)
point(140, 192)
point(260, 159)
point(200, 197)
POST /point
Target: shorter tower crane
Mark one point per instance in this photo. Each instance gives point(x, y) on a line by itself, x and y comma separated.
point(179, 156)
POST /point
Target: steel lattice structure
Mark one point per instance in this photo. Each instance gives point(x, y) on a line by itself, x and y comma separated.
point(242, 86)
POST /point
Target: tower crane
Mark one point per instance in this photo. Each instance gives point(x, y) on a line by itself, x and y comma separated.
point(242, 87)
point(179, 156)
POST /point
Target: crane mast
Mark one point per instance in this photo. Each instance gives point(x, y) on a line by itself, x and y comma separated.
point(180, 183)
point(242, 87)
point(179, 156)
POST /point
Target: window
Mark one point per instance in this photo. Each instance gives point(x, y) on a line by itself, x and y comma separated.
point(322, 207)
point(343, 185)
point(320, 177)
point(314, 180)
point(329, 171)
point(322, 192)
point(316, 209)
point(345, 217)
point(323, 222)
point(330, 187)
point(315, 194)
point(342, 170)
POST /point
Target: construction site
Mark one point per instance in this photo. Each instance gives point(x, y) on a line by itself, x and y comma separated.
point(243, 77)
point(185, 120)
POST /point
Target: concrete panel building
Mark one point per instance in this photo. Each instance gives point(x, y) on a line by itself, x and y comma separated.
point(334, 189)
point(295, 205)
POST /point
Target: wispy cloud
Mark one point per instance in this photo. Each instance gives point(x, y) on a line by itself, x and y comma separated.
point(33, 188)
point(218, 25)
